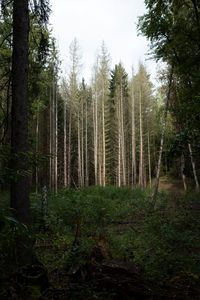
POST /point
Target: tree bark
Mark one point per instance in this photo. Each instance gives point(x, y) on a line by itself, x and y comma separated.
point(82, 144)
point(79, 152)
point(96, 138)
point(122, 137)
point(103, 138)
point(149, 159)
point(19, 123)
point(65, 140)
point(56, 142)
point(141, 175)
point(182, 171)
point(86, 146)
point(36, 148)
point(134, 167)
point(119, 145)
point(53, 138)
point(69, 148)
point(193, 167)
point(50, 137)
point(19, 134)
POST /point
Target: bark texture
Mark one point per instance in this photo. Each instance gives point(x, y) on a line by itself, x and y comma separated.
point(19, 124)
point(19, 134)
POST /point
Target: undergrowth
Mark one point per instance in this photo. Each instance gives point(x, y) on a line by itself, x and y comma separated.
point(165, 242)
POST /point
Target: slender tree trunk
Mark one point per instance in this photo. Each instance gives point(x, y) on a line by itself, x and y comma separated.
point(182, 171)
point(141, 182)
point(69, 149)
point(100, 173)
point(144, 172)
point(86, 146)
point(155, 193)
point(50, 138)
point(53, 139)
point(103, 138)
point(128, 172)
point(134, 166)
point(36, 149)
point(149, 160)
point(56, 143)
point(19, 123)
point(96, 141)
point(193, 167)
point(65, 143)
point(79, 153)
point(122, 138)
point(82, 147)
point(119, 145)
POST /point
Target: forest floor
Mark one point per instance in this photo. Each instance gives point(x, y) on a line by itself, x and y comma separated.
point(108, 243)
point(171, 184)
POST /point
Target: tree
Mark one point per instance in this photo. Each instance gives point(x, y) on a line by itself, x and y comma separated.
point(141, 90)
point(19, 123)
point(64, 95)
point(103, 73)
point(100, 98)
point(95, 118)
point(154, 196)
point(73, 109)
point(133, 137)
point(172, 26)
point(117, 124)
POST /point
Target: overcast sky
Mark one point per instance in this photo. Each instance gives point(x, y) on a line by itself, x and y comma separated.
point(94, 21)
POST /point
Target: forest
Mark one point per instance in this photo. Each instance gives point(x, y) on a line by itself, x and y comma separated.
point(99, 180)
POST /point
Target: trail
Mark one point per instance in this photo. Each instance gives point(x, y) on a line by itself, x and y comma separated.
point(170, 185)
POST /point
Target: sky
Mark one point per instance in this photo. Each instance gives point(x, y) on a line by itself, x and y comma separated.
point(94, 21)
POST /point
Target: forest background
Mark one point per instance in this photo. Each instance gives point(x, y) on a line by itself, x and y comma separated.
point(107, 132)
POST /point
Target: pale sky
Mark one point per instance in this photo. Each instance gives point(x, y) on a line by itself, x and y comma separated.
point(94, 21)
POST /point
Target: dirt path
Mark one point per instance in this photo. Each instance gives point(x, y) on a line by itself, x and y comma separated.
point(171, 185)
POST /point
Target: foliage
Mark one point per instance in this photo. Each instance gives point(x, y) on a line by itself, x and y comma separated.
point(164, 242)
point(10, 232)
point(172, 26)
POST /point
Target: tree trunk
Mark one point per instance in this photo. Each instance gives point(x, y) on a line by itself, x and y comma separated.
point(141, 175)
point(144, 171)
point(134, 167)
point(149, 160)
point(103, 138)
point(19, 123)
point(86, 147)
point(65, 143)
point(50, 138)
point(69, 149)
point(119, 145)
point(96, 139)
point(56, 143)
point(82, 146)
point(182, 171)
point(53, 138)
point(122, 138)
point(36, 149)
point(154, 196)
point(193, 168)
point(79, 153)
